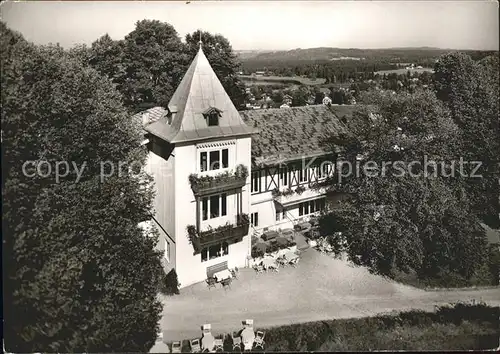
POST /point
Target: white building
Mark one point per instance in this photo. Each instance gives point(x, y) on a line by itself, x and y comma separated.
point(222, 176)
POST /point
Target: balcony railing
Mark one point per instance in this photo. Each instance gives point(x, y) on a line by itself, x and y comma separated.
point(230, 233)
point(205, 185)
point(291, 197)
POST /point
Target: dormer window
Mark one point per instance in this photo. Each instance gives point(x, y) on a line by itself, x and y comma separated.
point(212, 116)
point(170, 114)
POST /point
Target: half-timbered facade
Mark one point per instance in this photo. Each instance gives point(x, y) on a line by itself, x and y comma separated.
point(222, 176)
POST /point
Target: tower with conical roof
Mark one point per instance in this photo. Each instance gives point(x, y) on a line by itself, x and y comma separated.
point(200, 158)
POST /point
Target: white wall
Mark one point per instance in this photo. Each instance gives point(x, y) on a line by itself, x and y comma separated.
point(162, 171)
point(190, 269)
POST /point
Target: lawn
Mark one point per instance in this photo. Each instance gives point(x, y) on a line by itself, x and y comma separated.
point(458, 327)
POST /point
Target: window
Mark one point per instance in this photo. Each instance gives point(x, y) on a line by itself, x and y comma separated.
point(306, 208)
point(225, 158)
point(214, 160)
point(312, 206)
point(254, 219)
point(215, 206)
point(256, 181)
point(214, 251)
point(223, 204)
point(204, 208)
point(203, 161)
point(213, 119)
point(303, 172)
point(167, 250)
point(212, 116)
point(284, 176)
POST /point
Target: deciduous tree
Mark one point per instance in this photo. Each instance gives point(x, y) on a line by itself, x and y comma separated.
point(79, 274)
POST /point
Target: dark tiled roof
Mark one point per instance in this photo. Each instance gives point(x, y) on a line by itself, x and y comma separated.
point(292, 133)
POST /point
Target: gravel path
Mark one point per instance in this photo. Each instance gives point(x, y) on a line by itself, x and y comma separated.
point(320, 288)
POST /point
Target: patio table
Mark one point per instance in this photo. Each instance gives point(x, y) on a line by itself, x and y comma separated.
point(290, 256)
point(269, 263)
point(222, 275)
point(288, 233)
point(282, 241)
point(305, 226)
point(269, 235)
point(207, 342)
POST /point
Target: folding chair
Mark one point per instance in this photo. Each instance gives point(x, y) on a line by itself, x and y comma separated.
point(211, 282)
point(195, 345)
point(219, 343)
point(236, 342)
point(259, 339)
point(234, 272)
point(226, 283)
point(176, 347)
point(259, 269)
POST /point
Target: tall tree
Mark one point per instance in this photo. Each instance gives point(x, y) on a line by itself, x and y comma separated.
point(223, 60)
point(404, 214)
point(72, 247)
point(470, 89)
point(154, 60)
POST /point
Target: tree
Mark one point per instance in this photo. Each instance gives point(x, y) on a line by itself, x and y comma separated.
point(223, 60)
point(72, 246)
point(407, 216)
point(107, 57)
point(470, 90)
point(299, 97)
point(318, 97)
point(155, 62)
point(337, 97)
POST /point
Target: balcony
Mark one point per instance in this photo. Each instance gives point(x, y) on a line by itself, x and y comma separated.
point(206, 185)
point(289, 197)
point(230, 233)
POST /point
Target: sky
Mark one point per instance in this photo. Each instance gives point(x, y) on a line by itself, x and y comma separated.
point(269, 25)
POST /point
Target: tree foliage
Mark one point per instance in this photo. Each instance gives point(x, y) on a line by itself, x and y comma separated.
point(149, 63)
point(470, 89)
point(79, 274)
point(408, 215)
point(223, 60)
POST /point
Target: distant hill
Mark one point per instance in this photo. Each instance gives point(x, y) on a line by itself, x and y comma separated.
point(331, 54)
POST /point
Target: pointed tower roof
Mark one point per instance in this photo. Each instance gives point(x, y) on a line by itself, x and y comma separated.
point(199, 92)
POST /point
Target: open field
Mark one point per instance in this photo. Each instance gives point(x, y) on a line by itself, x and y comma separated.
point(403, 71)
point(272, 80)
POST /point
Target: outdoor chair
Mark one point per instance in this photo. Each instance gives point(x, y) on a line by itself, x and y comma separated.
point(281, 262)
point(195, 345)
point(226, 283)
point(259, 269)
point(236, 341)
point(234, 272)
point(219, 343)
point(259, 339)
point(294, 262)
point(211, 282)
point(176, 347)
